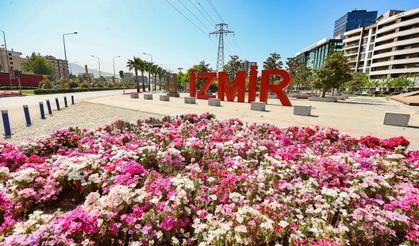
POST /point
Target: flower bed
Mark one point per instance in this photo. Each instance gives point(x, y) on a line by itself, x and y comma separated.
point(198, 181)
point(9, 93)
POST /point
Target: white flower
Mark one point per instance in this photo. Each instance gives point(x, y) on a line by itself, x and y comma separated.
point(240, 228)
point(175, 240)
point(283, 223)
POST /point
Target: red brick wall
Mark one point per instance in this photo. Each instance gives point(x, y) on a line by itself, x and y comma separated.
point(25, 80)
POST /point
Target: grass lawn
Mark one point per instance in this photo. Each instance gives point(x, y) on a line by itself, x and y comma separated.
point(28, 92)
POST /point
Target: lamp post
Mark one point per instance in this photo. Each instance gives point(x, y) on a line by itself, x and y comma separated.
point(113, 62)
point(7, 59)
point(98, 61)
point(65, 51)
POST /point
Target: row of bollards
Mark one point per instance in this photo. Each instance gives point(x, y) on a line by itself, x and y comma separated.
point(6, 120)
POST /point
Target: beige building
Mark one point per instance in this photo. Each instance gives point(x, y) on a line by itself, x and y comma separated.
point(388, 48)
point(11, 59)
point(61, 67)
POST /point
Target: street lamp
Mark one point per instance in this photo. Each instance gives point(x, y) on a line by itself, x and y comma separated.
point(98, 61)
point(113, 62)
point(7, 59)
point(65, 51)
point(149, 56)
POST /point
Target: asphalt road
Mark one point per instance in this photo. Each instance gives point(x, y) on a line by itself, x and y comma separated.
point(13, 103)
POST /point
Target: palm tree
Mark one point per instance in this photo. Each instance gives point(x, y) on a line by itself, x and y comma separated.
point(154, 70)
point(160, 73)
point(148, 68)
point(137, 64)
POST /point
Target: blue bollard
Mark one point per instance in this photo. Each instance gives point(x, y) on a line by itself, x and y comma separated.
point(41, 109)
point(65, 102)
point(27, 115)
point(49, 107)
point(57, 103)
point(72, 100)
point(6, 124)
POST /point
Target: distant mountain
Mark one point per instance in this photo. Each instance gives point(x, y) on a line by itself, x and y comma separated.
point(76, 69)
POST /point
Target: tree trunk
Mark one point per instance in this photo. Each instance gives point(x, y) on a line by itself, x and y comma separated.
point(136, 80)
point(149, 82)
point(324, 92)
point(142, 77)
point(155, 82)
point(159, 82)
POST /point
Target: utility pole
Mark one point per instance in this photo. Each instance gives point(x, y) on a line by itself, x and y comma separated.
point(222, 29)
point(7, 60)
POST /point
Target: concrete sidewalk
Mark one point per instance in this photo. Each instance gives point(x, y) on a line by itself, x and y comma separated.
point(358, 116)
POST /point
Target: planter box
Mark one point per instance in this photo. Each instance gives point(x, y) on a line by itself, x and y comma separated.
point(214, 102)
point(190, 100)
point(148, 96)
point(302, 110)
point(323, 99)
point(394, 119)
point(258, 106)
point(164, 98)
point(302, 96)
point(134, 95)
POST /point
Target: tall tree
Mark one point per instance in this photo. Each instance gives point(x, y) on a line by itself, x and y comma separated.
point(232, 66)
point(153, 70)
point(137, 64)
point(160, 74)
point(37, 64)
point(358, 81)
point(148, 68)
point(201, 67)
point(334, 73)
point(273, 62)
point(299, 72)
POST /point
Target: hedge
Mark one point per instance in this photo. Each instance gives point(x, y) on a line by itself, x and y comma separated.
point(16, 88)
point(70, 90)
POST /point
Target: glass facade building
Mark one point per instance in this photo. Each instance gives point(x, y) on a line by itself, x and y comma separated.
point(353, 20)
point(315, 55)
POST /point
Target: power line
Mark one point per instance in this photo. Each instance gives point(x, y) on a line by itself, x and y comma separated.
point(196, 17)
point(180, 12)
point(206, 12)
point(215, 10)
point(201, 13)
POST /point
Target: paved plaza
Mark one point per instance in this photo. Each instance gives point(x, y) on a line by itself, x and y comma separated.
point(358, 116)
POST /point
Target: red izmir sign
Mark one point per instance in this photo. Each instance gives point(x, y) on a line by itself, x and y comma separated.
point(238, 88)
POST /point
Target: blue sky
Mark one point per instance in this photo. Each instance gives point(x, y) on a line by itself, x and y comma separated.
point(125, 28)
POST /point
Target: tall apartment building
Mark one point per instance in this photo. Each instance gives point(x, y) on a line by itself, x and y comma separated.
point(353, 20)
point(61, 67)
point(315, 55)
point(387, 48)
point(10, 59)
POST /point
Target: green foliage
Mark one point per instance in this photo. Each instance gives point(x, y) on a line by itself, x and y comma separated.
point(201, 67)
point(37, 64)
point(334, 73)
point(45, 84)
point(232, 66)
point(400, 82)
point(137, 64)
point(358, 81)
point(299, 72)
point(273, 61)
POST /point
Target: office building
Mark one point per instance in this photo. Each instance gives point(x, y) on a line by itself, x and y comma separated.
point(315, 55)
point(353, 20)
point(387, 48)
point(10, 60)
point(245, 65)
point(61, 67)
